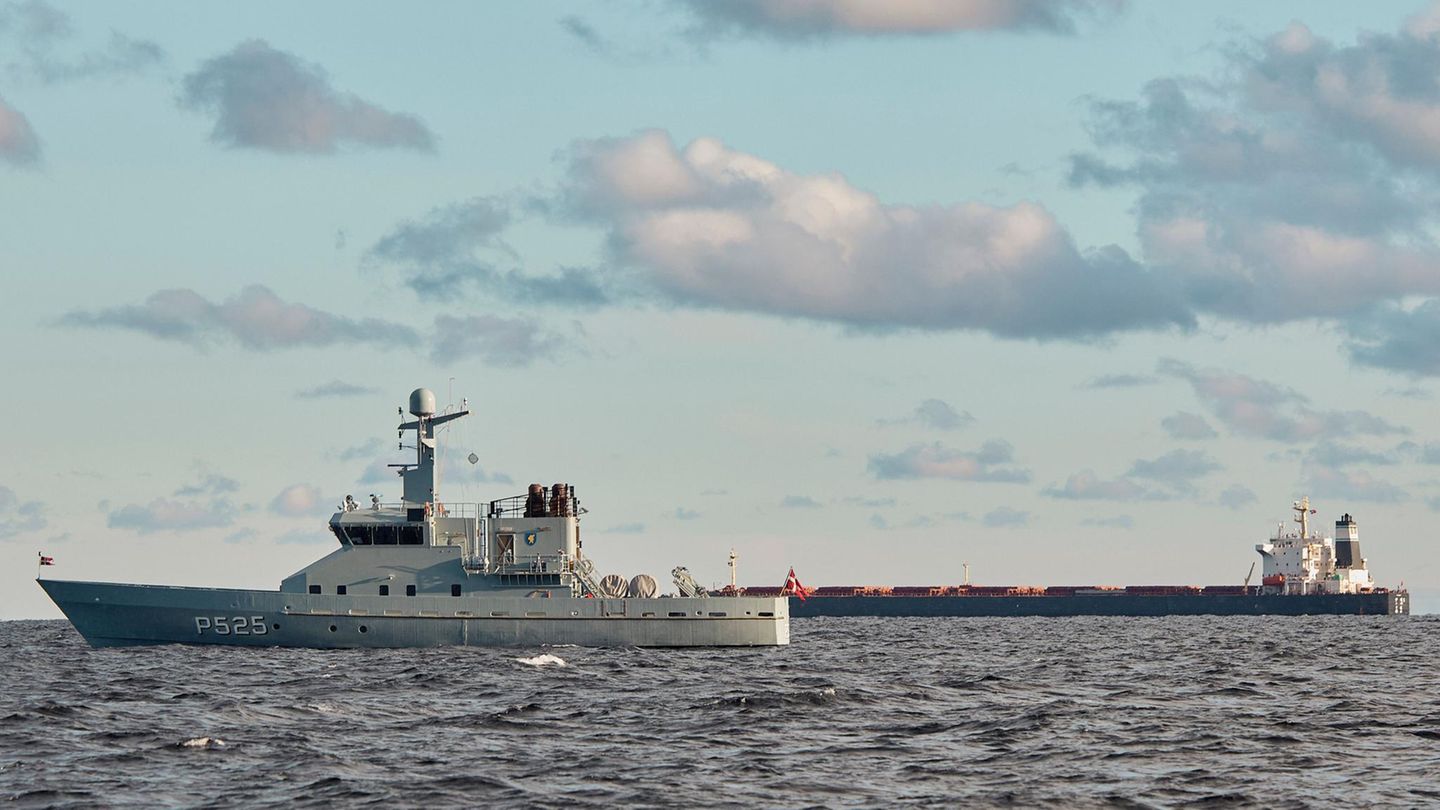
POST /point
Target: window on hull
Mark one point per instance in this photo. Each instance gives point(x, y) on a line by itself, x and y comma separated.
point(384, 590)
point(314, 589)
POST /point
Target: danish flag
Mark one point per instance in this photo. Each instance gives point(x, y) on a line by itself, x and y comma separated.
point(46, 560)
point(793, 586)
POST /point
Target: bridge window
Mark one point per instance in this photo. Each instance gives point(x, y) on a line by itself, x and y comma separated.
point(412, 535)
point(409, 590)
point(359, 535)
point(454, 590)
point(384, 590)
point(385, 535)
point(314, 589)
point(340, 590)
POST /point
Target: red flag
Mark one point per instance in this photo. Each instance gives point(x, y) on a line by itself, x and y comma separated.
point(793, 586)
point(46, 560)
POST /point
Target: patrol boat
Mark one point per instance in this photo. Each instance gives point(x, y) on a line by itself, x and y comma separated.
point(425, 573)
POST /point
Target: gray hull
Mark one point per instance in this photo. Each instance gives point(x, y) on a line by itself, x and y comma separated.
point(114, 614)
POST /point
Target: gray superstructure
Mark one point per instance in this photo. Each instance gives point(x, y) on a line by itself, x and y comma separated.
point(426, 573)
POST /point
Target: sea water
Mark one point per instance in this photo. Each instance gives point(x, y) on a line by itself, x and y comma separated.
point(1267, 711)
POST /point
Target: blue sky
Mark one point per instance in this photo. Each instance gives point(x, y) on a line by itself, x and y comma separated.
point(1076, 292)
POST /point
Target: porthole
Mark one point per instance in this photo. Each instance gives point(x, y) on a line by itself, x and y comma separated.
point(364, 629)
point(276, 626)
point(332, 628)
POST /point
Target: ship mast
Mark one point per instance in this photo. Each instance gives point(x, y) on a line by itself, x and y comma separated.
point(422, 480)
point(1302, 507)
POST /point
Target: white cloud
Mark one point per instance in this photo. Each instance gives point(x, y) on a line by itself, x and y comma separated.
point(336, 388)
point(1237, 496)
point(1261, 408)
point(167, 514)
point(1186, 425)
point(1352, 485)
point(992, 462)
point(715, 227)
point(808, 19)
point(256, 319)
point(17, 516)
point(264, 98)
point(1087, 486)
point(19, 146)
point(297, 500)
point(1004, 516)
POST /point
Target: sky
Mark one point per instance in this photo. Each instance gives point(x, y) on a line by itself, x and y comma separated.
point(1075, 292)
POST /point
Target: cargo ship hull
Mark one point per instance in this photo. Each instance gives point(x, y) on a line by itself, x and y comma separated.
point(1380, 603)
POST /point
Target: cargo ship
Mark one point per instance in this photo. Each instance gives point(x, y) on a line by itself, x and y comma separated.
point(1303, 574)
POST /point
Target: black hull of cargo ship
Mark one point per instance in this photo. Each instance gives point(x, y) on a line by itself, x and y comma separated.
point(1117, 604)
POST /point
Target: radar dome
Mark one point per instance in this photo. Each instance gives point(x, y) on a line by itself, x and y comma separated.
point(642, 586)
point(422, 402)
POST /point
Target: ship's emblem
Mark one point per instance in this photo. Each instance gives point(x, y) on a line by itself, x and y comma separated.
point(530, 538)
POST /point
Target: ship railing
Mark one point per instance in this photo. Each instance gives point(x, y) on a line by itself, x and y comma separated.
point(443, 509)
point(542, 504)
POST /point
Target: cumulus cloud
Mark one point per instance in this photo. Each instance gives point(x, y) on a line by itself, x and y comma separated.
point(335, 388)
point(264, 98)
point(241, 535)
point(1177, 468)
point(19, 145)
point(168, 514)
point(1004, 516)
point(1352, 485)
point(1398, 337)
point(1087, 486)
point(1118, 381)
point(368, 449)
point(1328, 453)
point(42, 47)
point(297, 500)
point(458, 469)
point(17, 516)
point(867, 502)
point(209, 484)
point(1186, 425)
point(992, 462)
point(799, 502)
point(710, 226)
point(1237, 496)
point(457, 248)
point(1264, 409)
point(681, 513)
point(256, 319)
point(816, 19)
point(936, 414)
point(1297, 183)
point(508, 342)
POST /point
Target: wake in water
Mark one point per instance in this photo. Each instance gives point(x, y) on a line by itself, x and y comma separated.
point(543, 659)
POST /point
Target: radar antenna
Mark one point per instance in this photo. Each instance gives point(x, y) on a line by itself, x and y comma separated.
point(422, 479)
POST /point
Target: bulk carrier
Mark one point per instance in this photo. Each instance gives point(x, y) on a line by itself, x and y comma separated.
point(1303, 574)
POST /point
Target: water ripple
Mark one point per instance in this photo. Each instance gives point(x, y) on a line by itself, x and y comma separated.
point(1087, 711)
